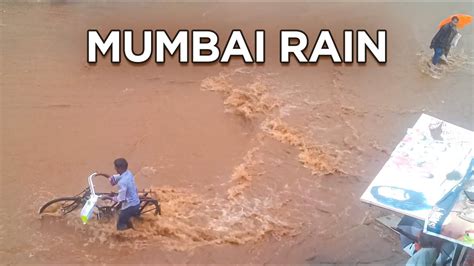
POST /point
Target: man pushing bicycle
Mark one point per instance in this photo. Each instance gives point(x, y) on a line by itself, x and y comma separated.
point(127, 194)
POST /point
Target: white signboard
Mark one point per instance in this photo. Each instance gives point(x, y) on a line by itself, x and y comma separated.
point(430, 160)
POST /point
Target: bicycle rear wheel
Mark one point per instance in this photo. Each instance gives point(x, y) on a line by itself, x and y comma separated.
point(61, 206)
point(149, 205)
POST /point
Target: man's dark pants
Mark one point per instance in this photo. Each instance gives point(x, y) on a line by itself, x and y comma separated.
point(125, 215)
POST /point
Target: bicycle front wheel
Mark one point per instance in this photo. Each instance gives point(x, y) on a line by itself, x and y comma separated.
point(61, 206)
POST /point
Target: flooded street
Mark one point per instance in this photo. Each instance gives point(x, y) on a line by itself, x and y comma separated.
point(251, 163)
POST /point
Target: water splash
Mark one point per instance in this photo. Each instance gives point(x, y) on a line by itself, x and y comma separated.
point(248, 100)
point(190, 220)
point(456, 61)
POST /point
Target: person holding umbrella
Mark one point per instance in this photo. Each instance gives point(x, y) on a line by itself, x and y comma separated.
point(442, 40)
point(445, 38)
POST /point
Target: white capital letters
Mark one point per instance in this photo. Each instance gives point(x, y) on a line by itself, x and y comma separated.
point(95, 41)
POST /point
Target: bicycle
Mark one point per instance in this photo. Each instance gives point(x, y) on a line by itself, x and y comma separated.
point(108, 208)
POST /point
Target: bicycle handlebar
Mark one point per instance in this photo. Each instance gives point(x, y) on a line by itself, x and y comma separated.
point(91, 184)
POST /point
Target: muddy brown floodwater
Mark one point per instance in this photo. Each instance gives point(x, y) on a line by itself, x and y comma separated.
point(252, 164)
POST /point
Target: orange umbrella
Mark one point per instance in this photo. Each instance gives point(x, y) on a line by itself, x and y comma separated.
point(463, 20)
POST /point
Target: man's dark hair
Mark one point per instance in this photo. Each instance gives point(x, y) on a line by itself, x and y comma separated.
point(454, 18)
point(121, 163)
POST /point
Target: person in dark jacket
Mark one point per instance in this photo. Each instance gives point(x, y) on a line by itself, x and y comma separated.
point(441, 42)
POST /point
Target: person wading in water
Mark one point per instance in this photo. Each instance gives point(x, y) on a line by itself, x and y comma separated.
point(127, 194)
point(441, 42)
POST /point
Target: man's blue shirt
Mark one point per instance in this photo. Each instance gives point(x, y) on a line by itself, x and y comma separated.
point(127, 193)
